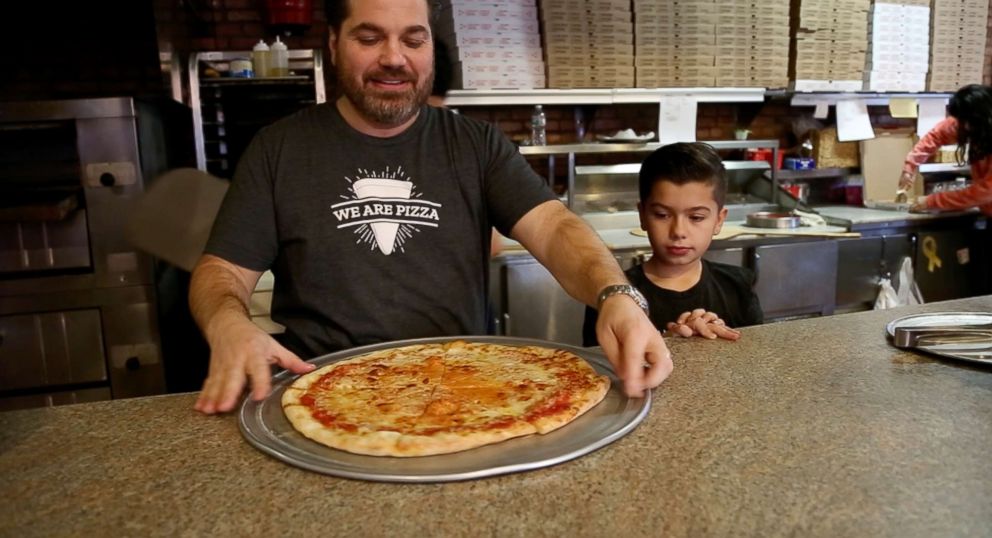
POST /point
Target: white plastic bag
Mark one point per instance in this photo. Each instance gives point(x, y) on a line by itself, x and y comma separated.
point(908, 290)
point(907, 293)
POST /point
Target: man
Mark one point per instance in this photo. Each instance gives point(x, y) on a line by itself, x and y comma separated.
point(374, 214)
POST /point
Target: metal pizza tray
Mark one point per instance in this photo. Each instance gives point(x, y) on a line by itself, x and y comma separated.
point(955, 335)
point(265, 426)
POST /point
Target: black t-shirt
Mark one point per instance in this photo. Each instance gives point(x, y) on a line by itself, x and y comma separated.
point(374, 239)
point(725, 290)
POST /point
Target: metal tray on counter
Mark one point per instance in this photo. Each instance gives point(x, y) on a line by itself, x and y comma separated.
point(965, 336)
point(264, 425)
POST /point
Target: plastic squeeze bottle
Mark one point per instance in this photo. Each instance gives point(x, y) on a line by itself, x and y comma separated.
point(280, 59)
point(261, 59)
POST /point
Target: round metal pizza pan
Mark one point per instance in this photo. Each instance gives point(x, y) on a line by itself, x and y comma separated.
point(976, 352)
point(265, 426)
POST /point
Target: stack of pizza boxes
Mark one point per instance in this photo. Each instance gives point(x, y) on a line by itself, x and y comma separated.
point(675, 43)
point(752, 43)
point(588, 43)
point(493, 44)
point(958, 36)
point(899, 46)
point(830, 44)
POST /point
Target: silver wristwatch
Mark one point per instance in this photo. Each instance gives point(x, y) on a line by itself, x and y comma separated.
point(623, 289)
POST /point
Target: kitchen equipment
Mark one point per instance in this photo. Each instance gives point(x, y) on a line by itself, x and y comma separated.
point(229, 111)
point(264, 426)
point(964, 336)
point(78, 301)
point(768, 219)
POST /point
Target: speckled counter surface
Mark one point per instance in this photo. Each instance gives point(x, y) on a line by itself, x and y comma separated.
point(805, 428)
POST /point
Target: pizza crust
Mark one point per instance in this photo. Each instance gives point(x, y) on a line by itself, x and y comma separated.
point(441, 398)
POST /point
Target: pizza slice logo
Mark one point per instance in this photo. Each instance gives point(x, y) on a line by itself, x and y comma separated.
point(385, 210)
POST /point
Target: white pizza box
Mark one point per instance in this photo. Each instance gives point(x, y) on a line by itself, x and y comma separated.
point(502, 4)
point(504, 67)
point(493, 10)
point(517, 40)
point(482, 82)
point(816, 85)
point(508, 27)
point(498, 53)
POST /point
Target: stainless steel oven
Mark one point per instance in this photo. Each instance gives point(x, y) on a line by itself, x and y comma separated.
point(77, 301)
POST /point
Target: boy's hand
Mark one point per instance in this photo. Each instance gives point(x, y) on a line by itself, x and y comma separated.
point(699, 322)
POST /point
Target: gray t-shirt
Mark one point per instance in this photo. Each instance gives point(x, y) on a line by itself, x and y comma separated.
point(374, 239)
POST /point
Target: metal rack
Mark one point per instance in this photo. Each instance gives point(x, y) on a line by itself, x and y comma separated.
point(219, 140)
point(571, 150)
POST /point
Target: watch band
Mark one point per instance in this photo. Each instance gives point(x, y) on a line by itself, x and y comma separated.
point(623, 289)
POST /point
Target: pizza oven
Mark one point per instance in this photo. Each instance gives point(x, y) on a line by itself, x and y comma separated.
point(77, 301)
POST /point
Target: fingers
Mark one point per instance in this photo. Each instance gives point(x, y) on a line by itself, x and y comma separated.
point(722, 331)
point(260, 374)
point(659, 359)
point(288, 360)
point(702, 328)
point(632, 362)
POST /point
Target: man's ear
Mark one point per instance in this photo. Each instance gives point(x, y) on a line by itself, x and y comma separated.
point(332, 43)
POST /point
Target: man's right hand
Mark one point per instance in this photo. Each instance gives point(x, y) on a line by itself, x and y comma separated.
point(240, 350)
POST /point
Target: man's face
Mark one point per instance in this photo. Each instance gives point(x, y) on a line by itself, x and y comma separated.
point(384, 57)
point(681, 221)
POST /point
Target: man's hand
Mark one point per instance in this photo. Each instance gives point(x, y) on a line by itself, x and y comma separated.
point(699, 322)
point(633, 345)
point(240, 350)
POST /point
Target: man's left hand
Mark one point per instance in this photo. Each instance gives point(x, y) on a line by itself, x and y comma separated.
point(633, 345)
point(919, 205)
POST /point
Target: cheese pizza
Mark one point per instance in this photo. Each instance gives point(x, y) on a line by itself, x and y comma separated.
point(427, 399)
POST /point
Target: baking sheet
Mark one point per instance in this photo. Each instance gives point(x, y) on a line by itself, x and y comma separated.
point(264, 425)
point(971, 351)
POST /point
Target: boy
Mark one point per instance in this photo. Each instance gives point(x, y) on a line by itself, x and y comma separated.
point(682, 190)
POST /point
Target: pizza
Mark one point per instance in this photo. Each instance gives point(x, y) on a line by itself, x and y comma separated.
point(427, 399)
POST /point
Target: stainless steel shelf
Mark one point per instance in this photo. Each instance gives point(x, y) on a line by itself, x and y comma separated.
point(599, 96)
point(873, 98)
point(951, 168)
point(816, 173)
point(635, 168)
point(579, 149)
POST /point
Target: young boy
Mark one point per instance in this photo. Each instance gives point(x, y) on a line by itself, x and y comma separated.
point(682, 190)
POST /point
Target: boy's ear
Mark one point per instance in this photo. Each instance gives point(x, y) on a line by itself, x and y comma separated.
point(721, 217)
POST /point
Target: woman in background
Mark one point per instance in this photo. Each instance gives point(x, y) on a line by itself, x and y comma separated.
point(969, 125)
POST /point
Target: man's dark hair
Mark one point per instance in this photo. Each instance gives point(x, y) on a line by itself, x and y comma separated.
point(443, 69)
point(337, 12)
point(972, 107)
point(683, 163)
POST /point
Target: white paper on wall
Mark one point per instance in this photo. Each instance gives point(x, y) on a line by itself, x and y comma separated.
point(853, 122)
point(932, 112)
point(677, 120)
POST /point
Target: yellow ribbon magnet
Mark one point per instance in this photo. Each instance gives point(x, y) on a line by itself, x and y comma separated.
point(930, 251)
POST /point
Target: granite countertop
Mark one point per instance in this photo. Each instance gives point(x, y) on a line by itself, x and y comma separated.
point(811, 428)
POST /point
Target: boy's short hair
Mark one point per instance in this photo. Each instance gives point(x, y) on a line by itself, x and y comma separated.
point(681, 163)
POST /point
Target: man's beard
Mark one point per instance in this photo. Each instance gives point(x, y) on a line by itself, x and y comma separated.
point(385, 108)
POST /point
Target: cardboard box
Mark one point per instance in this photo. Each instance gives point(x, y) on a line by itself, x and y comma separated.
point(881, 162)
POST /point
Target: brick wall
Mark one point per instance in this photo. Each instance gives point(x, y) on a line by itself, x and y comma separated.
point(988, 49)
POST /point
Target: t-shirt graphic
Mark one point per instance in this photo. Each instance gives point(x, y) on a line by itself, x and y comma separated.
point(385, 209)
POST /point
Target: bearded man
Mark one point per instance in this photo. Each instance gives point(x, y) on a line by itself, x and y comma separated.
point(374, 214)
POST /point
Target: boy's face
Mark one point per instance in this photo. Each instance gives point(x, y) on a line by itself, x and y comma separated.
point(681, 220)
